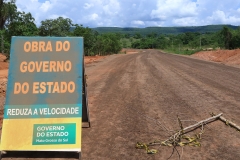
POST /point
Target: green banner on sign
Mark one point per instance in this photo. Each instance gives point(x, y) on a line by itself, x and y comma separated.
point(48, 134)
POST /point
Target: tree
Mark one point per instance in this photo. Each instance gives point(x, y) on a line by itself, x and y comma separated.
point(136, 44)
point(99, 45)
point(235, 41)
point(137, 36)
point(108, 43)
point(124, 43)
point(7, 11)
point(55, 27)
point(90, 38)
point(162, 42)
point(22, 25)
point(226, 36)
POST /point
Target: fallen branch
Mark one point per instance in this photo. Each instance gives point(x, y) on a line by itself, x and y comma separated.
point(227, 122)
point(176, 139)
point(211, 119)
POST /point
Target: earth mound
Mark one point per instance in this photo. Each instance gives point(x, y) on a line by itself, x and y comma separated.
point(229, 57)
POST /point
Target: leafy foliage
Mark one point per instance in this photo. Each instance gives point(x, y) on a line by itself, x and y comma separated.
point(162, 30)
point(55, 27)
point(90, 38)
point(7, 11)
point(191, 42)
point(22, 25)
point(108, 43)
point(15, 23)
point(235, 41)
point(226, 35)
point(110, 40)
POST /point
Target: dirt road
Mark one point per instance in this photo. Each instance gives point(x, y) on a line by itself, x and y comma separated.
point(129, 93)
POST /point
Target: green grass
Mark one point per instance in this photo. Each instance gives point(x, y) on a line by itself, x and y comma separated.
point(181, 51)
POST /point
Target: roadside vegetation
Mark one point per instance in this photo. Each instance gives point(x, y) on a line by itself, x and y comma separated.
point(190, 42)
point(15, 23)
point(110, 40)
point(163, 30)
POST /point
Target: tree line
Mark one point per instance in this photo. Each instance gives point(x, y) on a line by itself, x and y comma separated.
point(163, 30)
point(189, 42)
point(16, 23)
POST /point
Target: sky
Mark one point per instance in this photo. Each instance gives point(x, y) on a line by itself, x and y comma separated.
point(135, 13)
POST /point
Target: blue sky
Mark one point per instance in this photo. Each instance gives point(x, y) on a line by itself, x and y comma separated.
point(135, 13)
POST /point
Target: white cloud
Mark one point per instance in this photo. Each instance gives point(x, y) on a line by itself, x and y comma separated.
point(174, 8)
point(112, 7)
point(141, 13)
point(154, 23)
point(219, 17)
point(46, 6)
point(94, 16)
point(188, 21)
point(138, 23)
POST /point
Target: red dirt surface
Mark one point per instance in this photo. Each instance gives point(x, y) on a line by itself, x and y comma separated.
point(129, 93)
point(228, 57)
point(90, 59)
point(3, 65)
point(129, 51)
point(3, 78)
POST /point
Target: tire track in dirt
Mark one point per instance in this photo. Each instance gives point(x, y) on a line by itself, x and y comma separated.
point(124, 102)
point(204, 92)
point(161, 86)
point(112, 127)
point(221, 83)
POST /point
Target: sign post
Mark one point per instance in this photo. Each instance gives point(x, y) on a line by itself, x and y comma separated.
point(43, 109)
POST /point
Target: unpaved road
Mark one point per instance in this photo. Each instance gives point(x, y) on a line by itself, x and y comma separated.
point(128, 93)
point(124, 89)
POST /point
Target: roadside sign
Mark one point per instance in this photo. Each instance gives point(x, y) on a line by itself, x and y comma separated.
point(43, 109)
